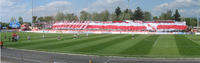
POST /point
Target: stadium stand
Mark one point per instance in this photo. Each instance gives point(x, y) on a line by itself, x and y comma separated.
point(121, 25)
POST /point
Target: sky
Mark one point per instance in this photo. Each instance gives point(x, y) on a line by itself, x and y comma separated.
point(23, 8)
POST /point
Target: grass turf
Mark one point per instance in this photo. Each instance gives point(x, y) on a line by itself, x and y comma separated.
point(168, 46)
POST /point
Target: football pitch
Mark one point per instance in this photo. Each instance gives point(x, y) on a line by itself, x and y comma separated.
point(154, 46)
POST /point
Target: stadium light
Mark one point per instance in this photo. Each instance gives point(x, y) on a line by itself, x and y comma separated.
point(1, 30)
point(32, 11)
point(197, 23)
point(128, 4)
point(0, 35)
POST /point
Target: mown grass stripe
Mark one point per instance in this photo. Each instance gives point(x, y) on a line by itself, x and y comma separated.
point(194, 38)
point(116, 49)
point(35, 42)
point(18, 44)
point(141, 48)
point(67, 44)
point(187, 47)
point(34, 37)
point(79, 46)
point(47, 36)
point(98, 47)
point(165, 46)
point(51, 43)
point(23, 36)
point(46, 43)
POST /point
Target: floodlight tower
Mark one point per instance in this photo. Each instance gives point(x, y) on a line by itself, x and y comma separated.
point(1, 32)
point(197, 22)
point(128, 4)
point(32, 12)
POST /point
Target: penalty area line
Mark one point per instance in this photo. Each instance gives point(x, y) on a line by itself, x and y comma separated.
point(107, 61)
point(155, 42)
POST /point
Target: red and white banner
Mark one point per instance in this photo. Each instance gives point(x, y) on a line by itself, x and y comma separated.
point(120, 25)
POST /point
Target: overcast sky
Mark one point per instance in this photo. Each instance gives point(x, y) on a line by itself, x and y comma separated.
point(23, 8)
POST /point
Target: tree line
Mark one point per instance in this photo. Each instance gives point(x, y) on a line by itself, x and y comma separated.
point(169, 16)
point(117, 15)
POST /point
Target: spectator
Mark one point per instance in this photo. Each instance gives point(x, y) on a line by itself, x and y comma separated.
point(43, 36)
point(9, 38)
point(87, 35)
point(28, 37)
point(78, 35)
point(1, 44)
point(59, 37)
point(17, 37)
point(132, 36)
point(14, 37)
point(75, 36)
point(5, 36)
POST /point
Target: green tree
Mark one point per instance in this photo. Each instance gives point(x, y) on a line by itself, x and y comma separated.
point(138, 14)
point(155, 18)
point(4, 24)
point(177, 16)
point(127, 15)
point(126, 11)
point(95, 16)
point(70, 17)
point(40, 19)
point(20, 20)
point(105, 15)
point(89, 16)
point(113, 17)
point(34, 19)
point(48, 19)
point(118, 13)
point(60, 16)
point(166, 16)
point(147, 16)
point(162, 16)
point(84, 16)
point(191, 21)
point(169, 15)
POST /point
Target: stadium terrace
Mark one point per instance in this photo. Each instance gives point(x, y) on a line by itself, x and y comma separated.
point(155, 26)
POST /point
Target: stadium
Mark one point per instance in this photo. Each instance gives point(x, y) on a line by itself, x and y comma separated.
point(156, 39)
point(122, 36)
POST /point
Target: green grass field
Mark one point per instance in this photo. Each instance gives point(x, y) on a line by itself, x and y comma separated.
point(158, 46)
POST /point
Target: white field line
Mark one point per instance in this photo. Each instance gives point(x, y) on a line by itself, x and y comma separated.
point(189, 38)
point(156, 41)
point(107, 61)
